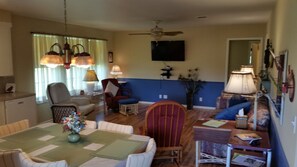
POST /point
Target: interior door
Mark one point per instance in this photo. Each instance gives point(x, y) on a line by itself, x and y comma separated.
point(244, 52)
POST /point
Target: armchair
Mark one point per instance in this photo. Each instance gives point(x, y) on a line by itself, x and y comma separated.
point(164, 121)
point(113, 93)
point(62, 104)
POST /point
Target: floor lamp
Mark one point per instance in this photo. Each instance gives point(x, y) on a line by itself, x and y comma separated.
point(242, 83)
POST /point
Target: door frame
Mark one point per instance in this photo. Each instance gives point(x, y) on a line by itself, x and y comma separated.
point(240, 39)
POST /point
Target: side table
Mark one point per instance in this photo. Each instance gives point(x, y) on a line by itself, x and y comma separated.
point(219, 135)
point(235, 143)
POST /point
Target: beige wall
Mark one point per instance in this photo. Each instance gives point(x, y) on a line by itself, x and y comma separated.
point(22, 51)
point(205, 48)
point(22, 45)
point(283, 32)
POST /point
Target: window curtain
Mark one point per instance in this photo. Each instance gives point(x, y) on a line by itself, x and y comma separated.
point(73, 77)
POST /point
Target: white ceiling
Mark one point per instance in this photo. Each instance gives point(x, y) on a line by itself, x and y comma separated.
point(136, 15)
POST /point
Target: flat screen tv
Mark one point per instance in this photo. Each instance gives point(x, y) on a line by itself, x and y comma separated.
point(168, 50)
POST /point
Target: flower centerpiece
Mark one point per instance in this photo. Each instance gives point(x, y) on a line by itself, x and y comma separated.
point(73, 123)
point(192, 85)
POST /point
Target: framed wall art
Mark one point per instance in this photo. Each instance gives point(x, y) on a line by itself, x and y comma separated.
point(110, 57)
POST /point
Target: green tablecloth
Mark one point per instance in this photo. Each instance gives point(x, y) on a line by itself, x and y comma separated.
point(113, 145)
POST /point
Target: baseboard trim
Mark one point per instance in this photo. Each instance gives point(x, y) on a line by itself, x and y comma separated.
point(198, 107)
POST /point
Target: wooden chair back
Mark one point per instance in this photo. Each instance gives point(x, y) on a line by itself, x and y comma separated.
point(164, 121)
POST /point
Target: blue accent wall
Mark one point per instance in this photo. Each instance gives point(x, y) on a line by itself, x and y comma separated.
point(278, 155)
point(150, 89)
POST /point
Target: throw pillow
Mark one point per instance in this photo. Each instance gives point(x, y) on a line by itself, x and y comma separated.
point(237, 99)
point(110, 87)
point(230, 113)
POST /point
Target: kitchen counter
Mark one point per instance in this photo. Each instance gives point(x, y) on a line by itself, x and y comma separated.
point(16, 95)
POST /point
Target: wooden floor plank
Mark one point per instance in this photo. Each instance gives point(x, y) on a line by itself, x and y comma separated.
point(187, 141)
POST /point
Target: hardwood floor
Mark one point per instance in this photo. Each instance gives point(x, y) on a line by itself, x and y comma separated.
point(187, 141)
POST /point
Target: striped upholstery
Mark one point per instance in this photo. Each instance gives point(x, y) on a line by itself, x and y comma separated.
point(13, 127)
point(143, 159)
point(108, 126)
point(91, 124)
point(17, 158)
point(164, 121)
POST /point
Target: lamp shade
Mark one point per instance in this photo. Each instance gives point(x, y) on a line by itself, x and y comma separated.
point(248, 68)
point(116, 70)
point(241, 83)
point(51, 60)
point(91, 76)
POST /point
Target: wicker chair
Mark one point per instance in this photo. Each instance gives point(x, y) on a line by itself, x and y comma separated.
point(113, 127)
point(62, 104)
point(164, 121)
point(143, 159)
point(18, 158)
point(14, 127)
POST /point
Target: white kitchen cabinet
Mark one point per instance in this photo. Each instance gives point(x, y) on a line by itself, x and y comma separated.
point(18, 109)
point(6, 67)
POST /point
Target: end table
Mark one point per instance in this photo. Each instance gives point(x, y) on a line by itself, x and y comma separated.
point(235, 143)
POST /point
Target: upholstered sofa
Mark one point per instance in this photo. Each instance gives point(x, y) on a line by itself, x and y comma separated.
point(263, 121)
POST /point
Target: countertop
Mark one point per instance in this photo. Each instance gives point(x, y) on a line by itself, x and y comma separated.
point(16, 95)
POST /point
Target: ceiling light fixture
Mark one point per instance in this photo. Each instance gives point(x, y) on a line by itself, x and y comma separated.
point(67, 56)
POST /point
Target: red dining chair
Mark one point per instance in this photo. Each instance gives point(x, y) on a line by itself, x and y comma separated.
point(164, 121)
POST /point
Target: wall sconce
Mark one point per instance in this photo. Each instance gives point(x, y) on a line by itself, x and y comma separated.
point(115, 71)
point(90, 78)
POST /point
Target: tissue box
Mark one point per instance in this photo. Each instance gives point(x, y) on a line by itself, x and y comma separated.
point(241, 122)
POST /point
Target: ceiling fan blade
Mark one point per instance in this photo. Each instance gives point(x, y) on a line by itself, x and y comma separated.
point(172, 33)
point(144, 33)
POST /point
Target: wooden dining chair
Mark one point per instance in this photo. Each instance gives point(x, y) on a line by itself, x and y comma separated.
point(18, 158)
point(164, 121)
point(113, 127)
point(143, 159)
point(12, 128)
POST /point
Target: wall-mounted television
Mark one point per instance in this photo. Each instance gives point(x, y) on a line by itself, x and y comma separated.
point(168, 50)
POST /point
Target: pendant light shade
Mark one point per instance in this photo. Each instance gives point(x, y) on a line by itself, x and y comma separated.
point(67, 55)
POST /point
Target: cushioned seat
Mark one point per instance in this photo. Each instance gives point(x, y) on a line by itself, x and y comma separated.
point(129, 105)
point(113, 92)
point(62, 104)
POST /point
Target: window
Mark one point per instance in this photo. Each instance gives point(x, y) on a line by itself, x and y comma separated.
point(73, 77)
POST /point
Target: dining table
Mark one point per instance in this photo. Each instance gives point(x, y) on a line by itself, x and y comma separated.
point(47, 142)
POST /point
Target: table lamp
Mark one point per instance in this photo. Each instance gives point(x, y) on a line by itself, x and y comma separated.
point(242, 83)
point(115, 71)
point(248, 68)
point(91, 78)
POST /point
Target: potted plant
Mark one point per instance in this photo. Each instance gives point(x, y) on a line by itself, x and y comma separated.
point(192, 85)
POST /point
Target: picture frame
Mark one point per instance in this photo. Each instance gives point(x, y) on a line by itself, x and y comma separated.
point(10, 87)
point(281, 63)
point(110, 57)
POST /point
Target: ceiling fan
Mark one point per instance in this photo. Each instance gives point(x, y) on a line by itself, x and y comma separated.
point(158, 32)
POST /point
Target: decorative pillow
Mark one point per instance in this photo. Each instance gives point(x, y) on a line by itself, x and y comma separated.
point(263, 115)
point(237, 99)
point(111, 88)
point(230, 113)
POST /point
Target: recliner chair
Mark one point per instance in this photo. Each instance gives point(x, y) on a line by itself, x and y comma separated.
point(113, 93)
point(62, 104)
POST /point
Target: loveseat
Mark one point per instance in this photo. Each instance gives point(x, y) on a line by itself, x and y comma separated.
point(263, 119)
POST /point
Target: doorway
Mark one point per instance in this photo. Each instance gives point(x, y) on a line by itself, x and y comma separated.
point(244, 51)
